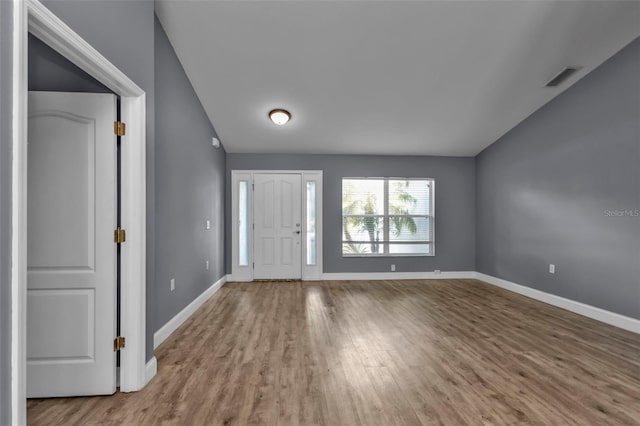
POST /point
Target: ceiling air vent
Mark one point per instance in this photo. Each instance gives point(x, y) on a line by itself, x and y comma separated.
point(562, 76)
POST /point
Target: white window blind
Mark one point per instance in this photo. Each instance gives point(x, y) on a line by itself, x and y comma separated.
point(387, 217)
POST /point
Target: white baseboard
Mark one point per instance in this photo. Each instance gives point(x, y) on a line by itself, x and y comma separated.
point(398, 275)
point(337, 276)
point(150, 370)
point(175, 322)
point(598, 314)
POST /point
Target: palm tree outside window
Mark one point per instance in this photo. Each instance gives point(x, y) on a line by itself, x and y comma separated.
point(387, 217)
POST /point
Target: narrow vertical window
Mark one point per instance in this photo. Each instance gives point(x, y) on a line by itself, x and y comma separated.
point(311, 223)
point(243, 223)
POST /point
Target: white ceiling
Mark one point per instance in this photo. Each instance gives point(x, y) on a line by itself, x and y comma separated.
point(385, 77)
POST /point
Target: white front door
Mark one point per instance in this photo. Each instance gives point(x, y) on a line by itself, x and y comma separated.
point(277, 211)
point(71, 256)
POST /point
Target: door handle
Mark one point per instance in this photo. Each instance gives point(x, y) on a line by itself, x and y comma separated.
point(296, 232)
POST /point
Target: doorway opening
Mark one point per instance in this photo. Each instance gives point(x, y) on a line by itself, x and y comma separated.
point(30, 16)
point(276, 224)
point(73, 201)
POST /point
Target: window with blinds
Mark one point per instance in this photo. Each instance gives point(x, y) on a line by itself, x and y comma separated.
point(387, 217)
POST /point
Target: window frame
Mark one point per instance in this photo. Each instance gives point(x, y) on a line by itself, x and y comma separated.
point(386, 243)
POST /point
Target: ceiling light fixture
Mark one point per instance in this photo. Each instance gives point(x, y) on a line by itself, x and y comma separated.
point(279, 116)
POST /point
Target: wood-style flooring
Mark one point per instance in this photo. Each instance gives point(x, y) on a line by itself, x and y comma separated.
point(430, 352)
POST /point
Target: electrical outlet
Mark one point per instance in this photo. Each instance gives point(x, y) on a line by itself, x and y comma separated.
point(552, 268)
point(437, 271)
point(173, 284)
point(207, 265)
point(208, 224)
point(393, 268)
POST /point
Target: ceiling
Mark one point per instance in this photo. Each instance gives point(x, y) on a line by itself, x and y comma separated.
point(385, 77)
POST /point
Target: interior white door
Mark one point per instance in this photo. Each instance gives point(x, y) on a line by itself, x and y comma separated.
point(277, 232)
point(71, 256)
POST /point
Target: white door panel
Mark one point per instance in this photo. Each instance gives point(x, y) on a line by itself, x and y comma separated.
point(277, 232)
point(71, 275)
point(58, 140)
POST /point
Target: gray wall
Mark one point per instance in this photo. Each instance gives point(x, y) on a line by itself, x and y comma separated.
point(189, 188)
point(544, 189)
point(455, 205)
point(50, 71)
point(6, 51)
point(123, 32)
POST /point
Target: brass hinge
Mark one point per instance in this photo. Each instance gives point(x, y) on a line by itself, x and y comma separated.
point(119, 236)
point(118, 343)
point(118, 128)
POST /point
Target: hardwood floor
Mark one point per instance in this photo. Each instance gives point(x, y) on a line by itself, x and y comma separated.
point(432, 352)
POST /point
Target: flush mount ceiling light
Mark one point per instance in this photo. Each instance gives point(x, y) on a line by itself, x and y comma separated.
point(279, 116)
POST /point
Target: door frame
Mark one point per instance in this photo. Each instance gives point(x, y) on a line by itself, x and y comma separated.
point(32, 16)
point(245, 272)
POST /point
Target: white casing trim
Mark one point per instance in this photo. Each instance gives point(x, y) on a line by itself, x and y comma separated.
point(446, 275)
point(18, 216)
point(598, 314)
point(133, 254)
point(165, 331)
point(150, 370)
point(61, 38)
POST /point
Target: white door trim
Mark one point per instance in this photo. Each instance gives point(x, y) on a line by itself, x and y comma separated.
point(32, 16)
point(245, 273)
